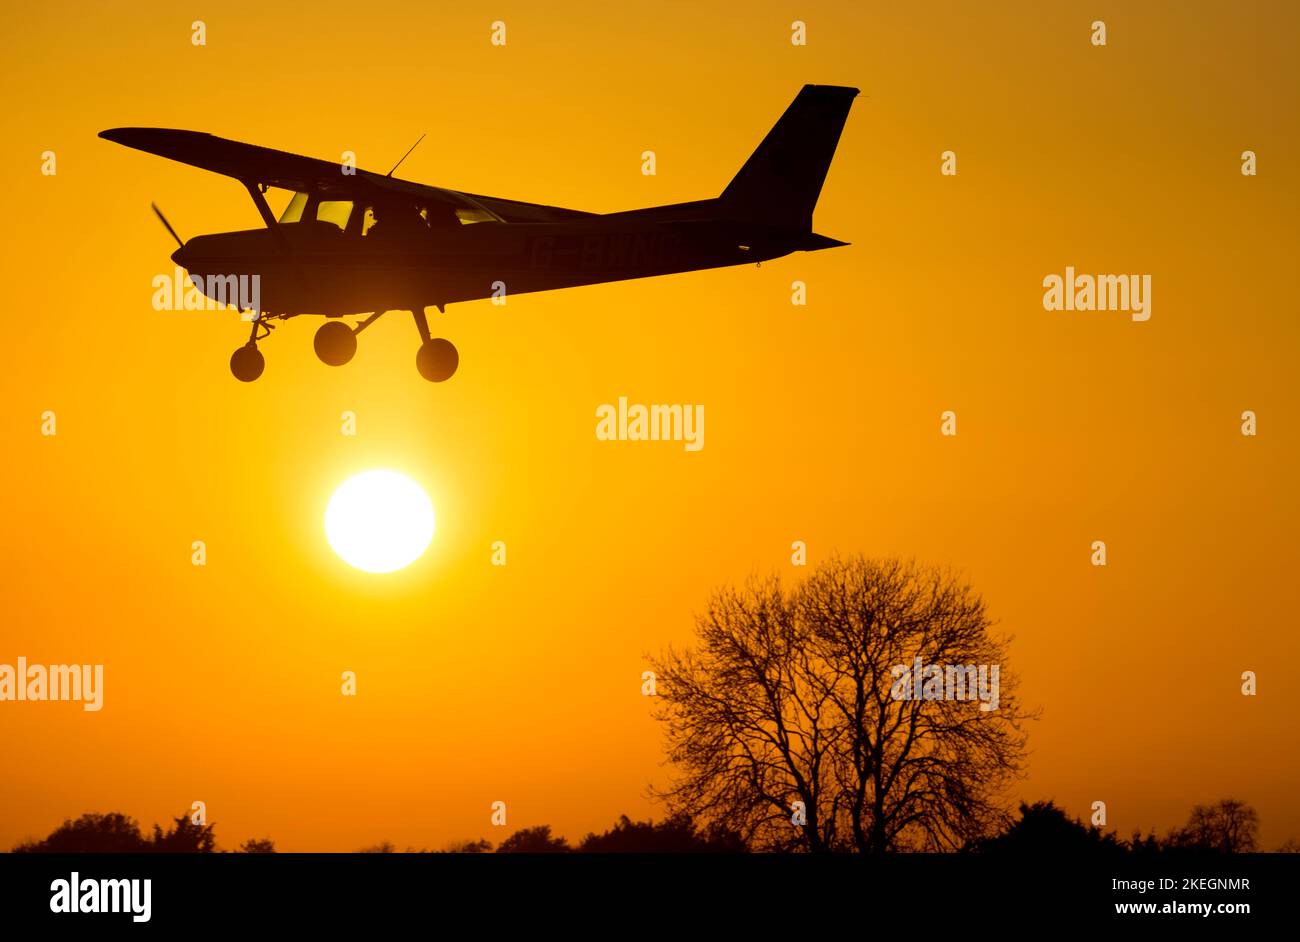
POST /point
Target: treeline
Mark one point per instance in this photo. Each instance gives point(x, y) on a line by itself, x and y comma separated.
point(115, 833)
point(1225, 827)
point(676, 835)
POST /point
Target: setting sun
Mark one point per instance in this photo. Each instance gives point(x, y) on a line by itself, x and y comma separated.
point(379, 521)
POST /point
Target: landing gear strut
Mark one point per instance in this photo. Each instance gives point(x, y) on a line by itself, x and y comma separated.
point(247, 362)
point(437, 358)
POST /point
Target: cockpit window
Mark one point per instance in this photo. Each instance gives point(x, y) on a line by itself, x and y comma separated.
point(471, 215)
point(337, 212)
point(293, 212)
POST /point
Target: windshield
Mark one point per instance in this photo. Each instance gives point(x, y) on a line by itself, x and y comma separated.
point(293, 212)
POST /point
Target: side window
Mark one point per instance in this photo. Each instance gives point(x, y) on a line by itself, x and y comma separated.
point(337, 212)
point(393, 220)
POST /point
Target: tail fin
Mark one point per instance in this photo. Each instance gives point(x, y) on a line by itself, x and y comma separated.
point(781, 180)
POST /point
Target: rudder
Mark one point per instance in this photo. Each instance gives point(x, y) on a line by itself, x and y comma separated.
point(782, 179)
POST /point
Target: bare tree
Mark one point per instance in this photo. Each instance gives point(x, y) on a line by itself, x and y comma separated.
point(1229, 826)
point(804, 720)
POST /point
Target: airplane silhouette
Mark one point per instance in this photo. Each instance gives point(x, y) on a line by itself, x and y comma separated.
point(352, 242)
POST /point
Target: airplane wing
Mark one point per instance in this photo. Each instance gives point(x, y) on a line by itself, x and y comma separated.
point(250, 163)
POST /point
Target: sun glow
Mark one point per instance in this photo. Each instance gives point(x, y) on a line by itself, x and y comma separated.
point(379, 521)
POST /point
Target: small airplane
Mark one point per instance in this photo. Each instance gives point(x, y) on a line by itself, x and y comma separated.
point(351, 242)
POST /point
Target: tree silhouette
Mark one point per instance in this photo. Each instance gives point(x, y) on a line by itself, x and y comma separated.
point(480, 846)
point(115, 833)
point(783, 722)
point(1145, 846)
point(184, 837)
point(257, 846)
point(1043, 828)
point(675, 835)
point(1227, 827)
point(535, 840)
point(91, 833)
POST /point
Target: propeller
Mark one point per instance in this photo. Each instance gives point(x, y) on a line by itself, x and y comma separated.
point(163, 220)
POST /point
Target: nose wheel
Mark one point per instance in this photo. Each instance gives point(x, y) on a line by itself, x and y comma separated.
point(247, 363)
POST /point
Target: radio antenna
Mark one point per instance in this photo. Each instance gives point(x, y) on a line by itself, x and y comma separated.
point(407, 154)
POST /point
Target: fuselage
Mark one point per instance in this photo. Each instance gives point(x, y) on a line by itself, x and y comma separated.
point(316, 267)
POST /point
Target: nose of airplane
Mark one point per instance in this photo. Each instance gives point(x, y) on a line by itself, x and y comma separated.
point(180, 256)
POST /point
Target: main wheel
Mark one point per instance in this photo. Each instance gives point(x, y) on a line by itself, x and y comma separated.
point(247, 363)
point(437, 360)
point(335, 343)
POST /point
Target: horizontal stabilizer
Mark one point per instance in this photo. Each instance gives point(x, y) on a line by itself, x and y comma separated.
point(814, 242)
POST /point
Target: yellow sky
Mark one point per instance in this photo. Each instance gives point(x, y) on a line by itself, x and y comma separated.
point(522, 683)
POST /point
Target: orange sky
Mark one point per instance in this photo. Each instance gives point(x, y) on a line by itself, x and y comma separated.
point(522, 683)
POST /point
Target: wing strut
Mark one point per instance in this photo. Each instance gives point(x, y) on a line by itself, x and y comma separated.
point(267, 216)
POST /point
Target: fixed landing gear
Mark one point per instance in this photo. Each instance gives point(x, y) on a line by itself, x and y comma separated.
point(247, 362)
point(335, 343)
point(437, 358)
